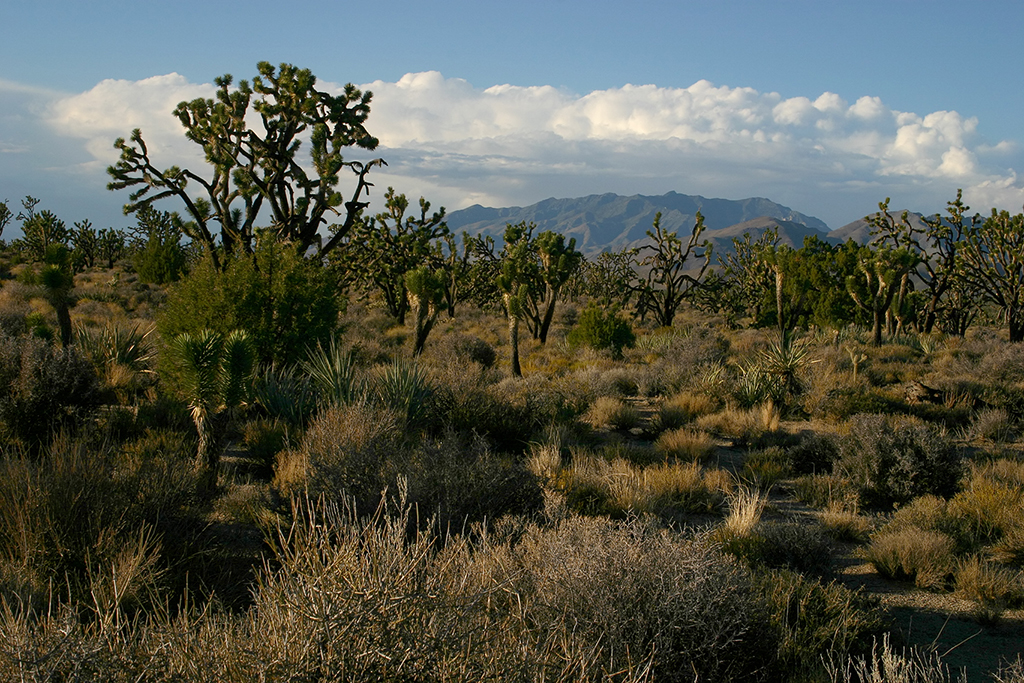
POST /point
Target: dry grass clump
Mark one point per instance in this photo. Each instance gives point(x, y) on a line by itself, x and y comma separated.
point(610, 412)
point(989, 586)
point(844, 523)
point(925, 557)
point(593, 485)
point(823, 490)
point(743, 426)
point(685, 444)
point(818, 621)
point(993, 424)
point(765, 467)
point(887, 665)
point(680, 409)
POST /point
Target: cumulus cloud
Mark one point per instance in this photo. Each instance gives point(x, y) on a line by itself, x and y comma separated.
point(458, 144)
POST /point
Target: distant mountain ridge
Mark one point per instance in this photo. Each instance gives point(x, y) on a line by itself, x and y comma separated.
point(609, 221)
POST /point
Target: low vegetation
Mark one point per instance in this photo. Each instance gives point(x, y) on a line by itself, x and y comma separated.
point(231, 457)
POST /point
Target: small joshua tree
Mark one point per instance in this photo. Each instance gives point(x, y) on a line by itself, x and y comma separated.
point(216, 371)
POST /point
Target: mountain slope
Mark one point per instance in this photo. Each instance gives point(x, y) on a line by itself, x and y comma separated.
point(611, 221)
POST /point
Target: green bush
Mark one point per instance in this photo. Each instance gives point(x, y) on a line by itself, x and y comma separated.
point(601, 329)
point(894, 460)
point(285, 302)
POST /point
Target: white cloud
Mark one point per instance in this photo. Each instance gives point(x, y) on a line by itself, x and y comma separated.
point(458, 144)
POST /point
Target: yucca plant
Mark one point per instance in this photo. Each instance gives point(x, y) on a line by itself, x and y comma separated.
point(333, 374)
point(403, 386)
point(285, 393)
point(216, 373)
point(126, 346)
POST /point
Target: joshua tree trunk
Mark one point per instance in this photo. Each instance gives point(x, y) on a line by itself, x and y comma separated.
point(513, 341)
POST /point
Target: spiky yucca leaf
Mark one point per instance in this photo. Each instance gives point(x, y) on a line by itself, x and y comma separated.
point(200, 355)
point(333, 372)
point(239, 356)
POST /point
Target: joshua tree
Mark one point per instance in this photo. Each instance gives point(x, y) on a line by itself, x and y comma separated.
point(216, 372)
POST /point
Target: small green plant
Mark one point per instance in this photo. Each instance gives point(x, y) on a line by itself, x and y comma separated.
point(602, 329)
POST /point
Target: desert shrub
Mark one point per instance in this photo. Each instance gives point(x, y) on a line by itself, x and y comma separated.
point(814, 454)
point(993, 424)
point(264, 439)
point(925, 557)
point(598, 328)
point(614, 413)
point(781, 545)
point(685, 444)
point(509, 419)
point(765, 467)
point(884, 663)
point(286, 303)
point(474, 349)
point(459, 480)
point(43, 388)
point(356, 450)
point(635, 589)
point(823, 490)
point(894, 460)
point(1011, 672)
point(617, 382)
point(817, 621)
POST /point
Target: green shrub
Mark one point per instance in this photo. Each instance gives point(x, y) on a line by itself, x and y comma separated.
point(601, 329)
point(286, 303)
point(817, 620)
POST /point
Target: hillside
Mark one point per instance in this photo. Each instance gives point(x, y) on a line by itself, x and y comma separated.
point(611, 221)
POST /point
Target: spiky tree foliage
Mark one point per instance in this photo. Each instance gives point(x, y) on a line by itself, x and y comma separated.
point(42, 230)
point(749, 268)
point(85, 245)
point(669, 279)
point(216, 370)
point(558, 262)
point(518, 283)
point(426, 295)
point(252, 169)
point(5, 216)
point(610, 278)
point(993, 264)
point(110, 246)
point(389, 245)
point(874, 288)
point(948, 296)
point(455, 269)
point(58, 281)
point(159, 256)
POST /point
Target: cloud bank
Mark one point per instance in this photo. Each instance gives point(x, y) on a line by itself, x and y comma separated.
point(508, 145)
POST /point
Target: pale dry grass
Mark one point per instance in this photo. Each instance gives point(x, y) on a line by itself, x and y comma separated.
point(685, 444)
point(925, 557)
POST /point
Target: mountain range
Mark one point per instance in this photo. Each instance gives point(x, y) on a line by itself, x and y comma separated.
point(611, 222)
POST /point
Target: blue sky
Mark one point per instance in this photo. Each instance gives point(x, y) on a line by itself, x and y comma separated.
point(825, 106)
